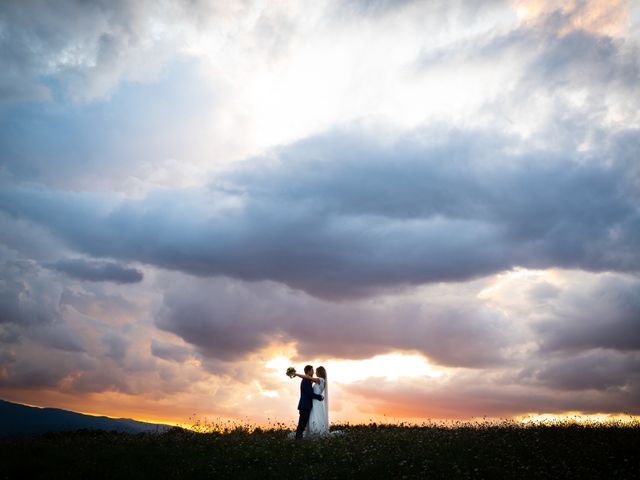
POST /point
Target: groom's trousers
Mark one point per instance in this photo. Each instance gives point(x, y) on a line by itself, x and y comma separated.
point(302, 422)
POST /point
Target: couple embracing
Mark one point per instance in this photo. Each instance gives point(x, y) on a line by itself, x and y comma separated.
point(314, 403)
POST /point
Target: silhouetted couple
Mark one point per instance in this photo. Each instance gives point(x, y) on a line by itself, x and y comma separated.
point(314, 403)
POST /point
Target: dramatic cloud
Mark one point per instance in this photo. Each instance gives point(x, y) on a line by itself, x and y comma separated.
point(169, 351)
point(97, 271)
point(195, 195)
point(331, 219)
point(227, 320)
point(106, 307)
point(88, 46)
point(604, 313)
point(468, 395)
point(602, 370)
point(26, 296)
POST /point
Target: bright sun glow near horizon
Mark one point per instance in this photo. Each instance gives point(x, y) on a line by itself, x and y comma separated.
point(390, 366)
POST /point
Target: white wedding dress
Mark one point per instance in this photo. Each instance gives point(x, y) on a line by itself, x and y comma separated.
point(319, 419)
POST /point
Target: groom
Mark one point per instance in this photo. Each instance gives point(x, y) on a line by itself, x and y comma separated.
point(305, 403)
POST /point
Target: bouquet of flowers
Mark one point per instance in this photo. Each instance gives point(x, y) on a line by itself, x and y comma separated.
point(291, 372)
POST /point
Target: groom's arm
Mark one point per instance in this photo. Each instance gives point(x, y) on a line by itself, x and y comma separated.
point(302, 375)
point(308, 390)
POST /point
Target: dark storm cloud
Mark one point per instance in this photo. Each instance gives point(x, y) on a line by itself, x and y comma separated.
point(117, 344)
point(26, 297)
point(31, 323)
point(465, 395)
point(99, 381)
point(227, 319)
point(223, 321)
point(591, 370)
point(342, 215)
point(74, 337)
point(41, 344)
point(25, 373)
point(169, 351)
point(109, 308)
point(96, 271)
point(9, 334)
point(603, 315)
point(35, 365)
point(58, 335)
point(32, 241)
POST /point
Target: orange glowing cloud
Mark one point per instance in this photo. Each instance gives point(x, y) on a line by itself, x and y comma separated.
point(602, 17)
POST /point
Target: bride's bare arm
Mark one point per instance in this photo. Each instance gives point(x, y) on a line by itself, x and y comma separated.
point(308, 377)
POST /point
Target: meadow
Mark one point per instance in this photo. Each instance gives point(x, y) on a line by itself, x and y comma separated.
point(463, 450)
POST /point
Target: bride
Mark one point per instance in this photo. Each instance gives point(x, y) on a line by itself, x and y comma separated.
point(319, 419)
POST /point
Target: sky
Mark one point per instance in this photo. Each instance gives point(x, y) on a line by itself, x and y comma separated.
point(439, 201)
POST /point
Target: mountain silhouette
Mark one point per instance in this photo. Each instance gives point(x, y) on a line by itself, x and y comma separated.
point(21, 420)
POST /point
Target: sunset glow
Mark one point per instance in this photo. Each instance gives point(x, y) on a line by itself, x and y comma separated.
point(437, 201)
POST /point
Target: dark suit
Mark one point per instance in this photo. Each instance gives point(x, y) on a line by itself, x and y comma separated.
point(305, 404)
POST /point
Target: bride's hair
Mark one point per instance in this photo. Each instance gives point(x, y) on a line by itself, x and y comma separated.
point(321, 372)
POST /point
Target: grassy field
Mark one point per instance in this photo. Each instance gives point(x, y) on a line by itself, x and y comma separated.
point(507, 450)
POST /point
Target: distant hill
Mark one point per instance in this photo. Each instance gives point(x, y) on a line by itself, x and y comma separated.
point(22, 420)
